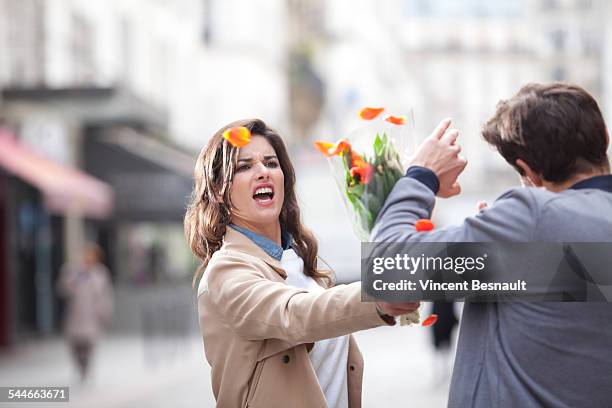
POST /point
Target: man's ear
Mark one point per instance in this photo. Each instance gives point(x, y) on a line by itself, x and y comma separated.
point(530, 177)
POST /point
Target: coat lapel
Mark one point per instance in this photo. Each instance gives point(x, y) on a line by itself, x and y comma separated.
point(236, 241)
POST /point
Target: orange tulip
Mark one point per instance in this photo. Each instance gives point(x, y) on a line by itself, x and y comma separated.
point(370, 113)
point(329, 149)
point(357, 160)
point(363, 172)
point(396, 120)
point(238, 136)
point(432, 319)
point(424, 225)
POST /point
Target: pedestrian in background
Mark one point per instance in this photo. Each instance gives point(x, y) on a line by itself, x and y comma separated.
point(442, 335)
point(89, 304)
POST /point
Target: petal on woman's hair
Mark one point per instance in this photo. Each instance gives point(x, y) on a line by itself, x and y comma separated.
point(238, 136)
point(370, 113)
point(432, 319)
point(396, 120)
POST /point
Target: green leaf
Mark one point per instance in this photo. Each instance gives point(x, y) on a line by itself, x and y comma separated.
point(367, 200)
point(378, 146)
point(356, 190)
point(360, 212)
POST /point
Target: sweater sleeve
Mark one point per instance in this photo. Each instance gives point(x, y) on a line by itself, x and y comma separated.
point(512, 218)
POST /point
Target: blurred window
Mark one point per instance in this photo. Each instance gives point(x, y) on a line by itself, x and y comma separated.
point(308, 16)
point(550, 5)
point(207, 32)
point(455, 8)
point(422, 7)
point(559, 73)
point(584, 4)
point(25, 41)
point(161, 56)
point(590, 42)
point(557, 38)
point(81, 44)
point(514, 47)
point(152, 253)
point(464, 8)
point(453, 45)
point(125, 45)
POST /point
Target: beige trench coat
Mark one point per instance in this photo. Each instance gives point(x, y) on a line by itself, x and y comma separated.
point(258, 331)
point(89, 297)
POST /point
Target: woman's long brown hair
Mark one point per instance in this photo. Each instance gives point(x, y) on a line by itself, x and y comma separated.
point(207, 218)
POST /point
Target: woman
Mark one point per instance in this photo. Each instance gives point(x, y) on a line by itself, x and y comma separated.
point(273, 335)
point(89, 295)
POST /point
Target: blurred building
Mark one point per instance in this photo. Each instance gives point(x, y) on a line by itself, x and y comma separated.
point(362, 64)
point(306, 39)
point(470, 57)
point(449, 58)
point(87, 86)
point(128, 92)
point(244, 67)
point(203, 63)
point(607, 64)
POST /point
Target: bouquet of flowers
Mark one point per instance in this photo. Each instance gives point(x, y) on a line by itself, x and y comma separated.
point(367, 164)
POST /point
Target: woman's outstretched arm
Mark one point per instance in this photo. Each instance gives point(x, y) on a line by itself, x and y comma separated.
point(257, 308)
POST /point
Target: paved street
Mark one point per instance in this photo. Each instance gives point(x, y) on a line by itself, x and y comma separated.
point(129, 372)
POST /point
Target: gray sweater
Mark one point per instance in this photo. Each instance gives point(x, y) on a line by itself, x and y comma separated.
point(522, 354)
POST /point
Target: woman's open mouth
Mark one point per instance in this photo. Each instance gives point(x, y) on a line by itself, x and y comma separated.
point(264, 195)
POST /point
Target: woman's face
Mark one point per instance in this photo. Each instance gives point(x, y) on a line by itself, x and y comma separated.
point(257, 191)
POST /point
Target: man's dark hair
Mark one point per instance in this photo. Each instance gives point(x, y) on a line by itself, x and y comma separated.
point(557, 129)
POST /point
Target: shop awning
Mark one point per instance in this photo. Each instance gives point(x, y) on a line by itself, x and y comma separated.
point(65, 189)
point(151, 178)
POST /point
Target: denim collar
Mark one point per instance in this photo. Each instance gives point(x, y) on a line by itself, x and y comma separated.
point(270, 247)
point(598, 182)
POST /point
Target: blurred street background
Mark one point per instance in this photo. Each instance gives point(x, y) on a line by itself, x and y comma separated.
point(104, 106)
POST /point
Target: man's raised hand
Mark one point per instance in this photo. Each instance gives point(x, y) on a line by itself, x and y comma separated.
point(439, 152)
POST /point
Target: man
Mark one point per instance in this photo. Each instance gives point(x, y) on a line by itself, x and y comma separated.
point(524, 354)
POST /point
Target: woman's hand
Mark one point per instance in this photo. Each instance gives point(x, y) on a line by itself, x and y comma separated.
point(397, 309)
point(440, 153)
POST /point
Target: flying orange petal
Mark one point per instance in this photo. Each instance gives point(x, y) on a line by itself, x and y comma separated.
point(330, 149)
point(396, 120)
point(424, 225)
point(432, 319)
point(341, 146)
point(370, 113)
point(324, 147)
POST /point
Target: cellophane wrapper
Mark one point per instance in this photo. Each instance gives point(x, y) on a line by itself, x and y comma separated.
point(385, 147)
